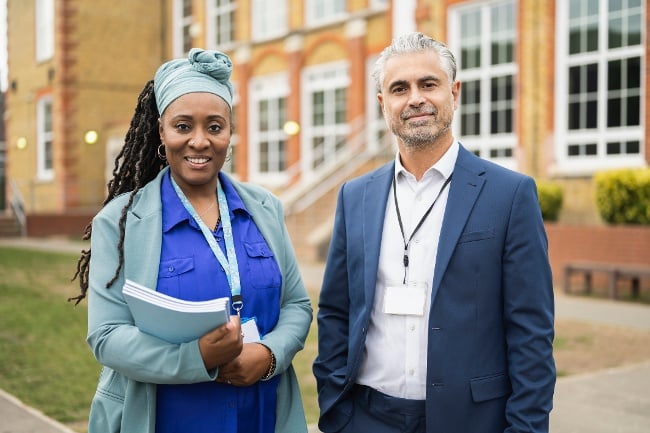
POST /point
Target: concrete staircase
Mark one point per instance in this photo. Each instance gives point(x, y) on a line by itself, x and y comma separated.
point(9, 226)
point(310, 205)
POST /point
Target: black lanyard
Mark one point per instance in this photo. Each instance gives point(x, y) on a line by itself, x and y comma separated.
point(401, 226)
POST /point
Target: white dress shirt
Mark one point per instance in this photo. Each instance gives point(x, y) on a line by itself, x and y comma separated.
point(395, 356)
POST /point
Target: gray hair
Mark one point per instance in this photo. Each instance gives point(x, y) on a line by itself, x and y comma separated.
point(413, 43)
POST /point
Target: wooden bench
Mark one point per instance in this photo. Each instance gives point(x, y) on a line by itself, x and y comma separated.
point(613, 271)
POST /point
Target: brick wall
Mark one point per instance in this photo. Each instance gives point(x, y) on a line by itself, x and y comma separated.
point(597, 243)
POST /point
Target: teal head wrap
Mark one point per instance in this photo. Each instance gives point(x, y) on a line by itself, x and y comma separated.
point(202, 71)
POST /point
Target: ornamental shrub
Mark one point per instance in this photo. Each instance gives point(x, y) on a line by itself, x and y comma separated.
point(550, 196)
point(623, 196)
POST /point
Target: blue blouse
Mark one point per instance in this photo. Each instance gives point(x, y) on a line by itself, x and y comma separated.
point(189, 270)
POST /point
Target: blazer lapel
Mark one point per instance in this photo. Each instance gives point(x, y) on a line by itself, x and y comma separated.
point(374, 210)
point(465, 187)
point(143, 241)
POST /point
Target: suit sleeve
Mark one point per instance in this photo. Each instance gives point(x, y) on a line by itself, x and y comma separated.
point(528, 315)
point(330, 367)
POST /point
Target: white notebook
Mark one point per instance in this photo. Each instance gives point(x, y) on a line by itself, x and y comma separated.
point(171, 319)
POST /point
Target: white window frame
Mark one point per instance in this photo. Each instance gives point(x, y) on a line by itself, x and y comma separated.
point(181, 22)
point(600, 135)
point(44, 138)
point(230, 164)
point(211, 30)
point(321, 12)
point(485, 141)
point(269, 19)
point(327, 78)
point(44, 29)
point(377, 129)
point(271, 87)
point(378, 4)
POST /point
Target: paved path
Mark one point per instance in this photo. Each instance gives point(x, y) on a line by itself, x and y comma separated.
point(609, 401)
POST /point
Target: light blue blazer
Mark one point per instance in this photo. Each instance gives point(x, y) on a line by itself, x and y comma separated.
point(134, 362)
point(490, 365)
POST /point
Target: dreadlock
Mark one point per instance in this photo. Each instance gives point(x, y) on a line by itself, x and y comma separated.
point(136, 165)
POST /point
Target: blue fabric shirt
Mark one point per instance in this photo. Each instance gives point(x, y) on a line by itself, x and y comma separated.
point(189, 270)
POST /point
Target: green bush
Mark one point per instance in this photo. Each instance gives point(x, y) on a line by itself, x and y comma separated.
point(550, 196)
point(623, 196)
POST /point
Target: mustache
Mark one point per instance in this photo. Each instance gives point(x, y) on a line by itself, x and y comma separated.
point(418, 112)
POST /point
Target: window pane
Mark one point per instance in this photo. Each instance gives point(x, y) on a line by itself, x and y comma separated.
point(470, 108)
point(614, 112)
point(282, 155)
point(187, 8)
point(47, 117)
point(583, 26)
point(340, 106)
point(470, 27)
point(264, 156)
point(614, 79)
point(633, 147)
point(592, 114)
point(318, 108)
point(633, 111)
point(633, 74)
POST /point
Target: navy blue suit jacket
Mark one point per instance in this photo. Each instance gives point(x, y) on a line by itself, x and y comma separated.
point(490, 361)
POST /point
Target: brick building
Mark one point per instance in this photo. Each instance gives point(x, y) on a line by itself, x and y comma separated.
point(555, 89)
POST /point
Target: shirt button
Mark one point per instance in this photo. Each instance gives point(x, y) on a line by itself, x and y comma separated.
point(412, 328)
point(411, 372)
point(171, 269)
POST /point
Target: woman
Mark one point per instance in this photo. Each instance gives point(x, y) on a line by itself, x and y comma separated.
point(174, 222)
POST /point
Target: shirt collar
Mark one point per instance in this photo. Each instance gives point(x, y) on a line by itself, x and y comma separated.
point(174, 212)
point(444, 166)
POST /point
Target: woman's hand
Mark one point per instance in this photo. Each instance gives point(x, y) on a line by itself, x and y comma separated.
point(222, 345)
point(248, 368)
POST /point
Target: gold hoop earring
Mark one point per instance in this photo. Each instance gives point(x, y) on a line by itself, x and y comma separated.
point(161, 155)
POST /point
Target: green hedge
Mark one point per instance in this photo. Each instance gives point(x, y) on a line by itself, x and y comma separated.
point(623, 196)
point(550, 196)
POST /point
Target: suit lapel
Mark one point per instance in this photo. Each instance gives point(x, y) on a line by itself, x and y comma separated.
point(374, 211)
point(466, 185)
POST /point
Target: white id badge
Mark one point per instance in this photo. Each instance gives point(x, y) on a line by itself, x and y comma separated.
point(250, 331)
point(405, 299)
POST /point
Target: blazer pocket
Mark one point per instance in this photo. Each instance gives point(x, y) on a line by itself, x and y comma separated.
point(490, 387)
point(476, 235)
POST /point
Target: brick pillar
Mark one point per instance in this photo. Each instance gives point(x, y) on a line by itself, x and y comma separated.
point(293, 46)
point(66, 143)
point(355, 32)
point(243, 71)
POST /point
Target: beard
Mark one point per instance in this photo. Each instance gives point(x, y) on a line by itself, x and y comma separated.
point(422, 133)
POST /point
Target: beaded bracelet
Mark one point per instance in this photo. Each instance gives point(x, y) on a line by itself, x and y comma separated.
point(271, 369)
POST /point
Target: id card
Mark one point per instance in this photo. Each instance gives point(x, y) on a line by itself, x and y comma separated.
point(408, 300)
point(250, 331)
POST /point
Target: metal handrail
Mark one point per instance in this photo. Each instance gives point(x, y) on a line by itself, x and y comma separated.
point(354, 155)
point(17, 205)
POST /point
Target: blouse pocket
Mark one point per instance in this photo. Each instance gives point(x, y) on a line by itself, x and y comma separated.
point(263, 271)
point(171, 275)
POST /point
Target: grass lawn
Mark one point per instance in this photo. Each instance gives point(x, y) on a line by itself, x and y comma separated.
point(44, 359)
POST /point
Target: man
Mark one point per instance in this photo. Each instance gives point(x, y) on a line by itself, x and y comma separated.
point(436, 311)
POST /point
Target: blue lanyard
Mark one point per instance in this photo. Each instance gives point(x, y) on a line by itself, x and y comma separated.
point(228, 264)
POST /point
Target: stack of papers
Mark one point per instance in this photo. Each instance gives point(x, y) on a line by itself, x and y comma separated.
point(171, 319)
